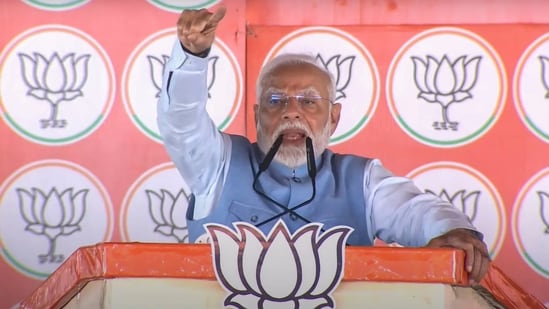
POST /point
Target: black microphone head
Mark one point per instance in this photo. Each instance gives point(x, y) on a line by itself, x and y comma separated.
point(311, 164)
point(270, 155)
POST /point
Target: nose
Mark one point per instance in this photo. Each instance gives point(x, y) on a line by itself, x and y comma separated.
point(292, 110)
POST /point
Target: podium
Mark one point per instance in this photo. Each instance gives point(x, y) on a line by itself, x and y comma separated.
point(147, 275)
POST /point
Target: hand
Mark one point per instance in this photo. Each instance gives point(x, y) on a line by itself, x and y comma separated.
point(477, 258)
point(196, 28)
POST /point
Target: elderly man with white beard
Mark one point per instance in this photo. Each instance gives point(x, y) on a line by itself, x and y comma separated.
point(289, 174)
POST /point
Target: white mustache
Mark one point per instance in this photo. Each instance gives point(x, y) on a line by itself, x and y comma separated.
point(292, 125)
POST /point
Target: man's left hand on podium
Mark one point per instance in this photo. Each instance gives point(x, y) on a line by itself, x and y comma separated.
point(477, 258)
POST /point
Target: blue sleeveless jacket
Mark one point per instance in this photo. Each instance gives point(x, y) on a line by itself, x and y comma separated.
point(339, 196)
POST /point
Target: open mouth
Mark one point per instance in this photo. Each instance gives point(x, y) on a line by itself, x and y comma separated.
point(293, 135)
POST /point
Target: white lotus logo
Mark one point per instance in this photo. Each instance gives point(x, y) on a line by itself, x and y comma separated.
point(168, 211)
point(52, 214)
point(445, 83)
point(54, 80)
point(279, 271)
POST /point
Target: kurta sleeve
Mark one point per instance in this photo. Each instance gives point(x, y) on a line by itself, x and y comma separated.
point(398, 211)
point(198, 149)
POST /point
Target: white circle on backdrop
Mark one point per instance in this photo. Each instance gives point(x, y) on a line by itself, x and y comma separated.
point(154, 208)
point(53, 207)
point(61, 86)
point(142, 81)
point(469, 191)
point(353, 68)
point(469, 81)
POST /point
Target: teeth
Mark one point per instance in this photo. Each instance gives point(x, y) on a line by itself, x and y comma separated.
point(293, 136)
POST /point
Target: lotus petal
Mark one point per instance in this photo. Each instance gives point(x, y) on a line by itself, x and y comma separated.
point(35, 228)
point(70, 71)
point(430, 75)
point(26, 205)
point(40, 70)
point(156, 67)
point(279, 280)
point(305, 245)
point(71, 95)
point(314, 303)
point(53, 210)
point(167, 204)
point(55, 75)
point(78, 203)
point(330, 252)
point(178, 216)
point(81, 71)
point(429, 97)
point(420, 69)
point(38, 204)
point(255, 243)
point(445, 80)
point(164, 229)
point(461, 96)
point(226, 250)
point(28, 65)
point(242, 301)
point(471, 72)
point(37, 93)
point(343, 76)
point(470, 204)
point(69, 229)
point(155, 206)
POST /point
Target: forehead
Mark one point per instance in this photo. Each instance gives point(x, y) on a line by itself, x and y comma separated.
point(297, 76)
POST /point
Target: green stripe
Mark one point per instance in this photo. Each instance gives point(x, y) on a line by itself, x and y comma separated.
point(446, 143)
point(13, 261)
point(54, 140)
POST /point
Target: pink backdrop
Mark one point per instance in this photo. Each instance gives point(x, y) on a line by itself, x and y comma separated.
point(97, 171)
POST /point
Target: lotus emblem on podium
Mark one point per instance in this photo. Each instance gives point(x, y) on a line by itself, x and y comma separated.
point(281, 270)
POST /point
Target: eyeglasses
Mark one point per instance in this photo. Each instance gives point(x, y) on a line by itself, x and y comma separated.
point(309, 102)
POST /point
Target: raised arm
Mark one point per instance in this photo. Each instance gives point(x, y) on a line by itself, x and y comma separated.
point(197, 148)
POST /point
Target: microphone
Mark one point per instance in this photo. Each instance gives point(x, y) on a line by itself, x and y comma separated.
point(311, 163)
point(311, 170)
point(270, 154)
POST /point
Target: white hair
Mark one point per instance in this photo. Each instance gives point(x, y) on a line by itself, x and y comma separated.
point(292, 59)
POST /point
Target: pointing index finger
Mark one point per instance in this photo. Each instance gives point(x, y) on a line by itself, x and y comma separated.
point(217, 16)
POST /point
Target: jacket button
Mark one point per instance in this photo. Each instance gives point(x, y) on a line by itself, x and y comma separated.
point(293, 217)
point(253, 219)
point(298, 180)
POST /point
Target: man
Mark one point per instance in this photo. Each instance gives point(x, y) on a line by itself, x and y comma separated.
point(289, 173)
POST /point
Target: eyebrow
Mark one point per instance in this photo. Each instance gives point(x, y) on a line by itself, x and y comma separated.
point(272, 90)
point(307, 91)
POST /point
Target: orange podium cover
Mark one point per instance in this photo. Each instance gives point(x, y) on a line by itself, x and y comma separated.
point(148, 260)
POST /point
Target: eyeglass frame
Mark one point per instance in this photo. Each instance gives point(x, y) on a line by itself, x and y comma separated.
point(268, 98)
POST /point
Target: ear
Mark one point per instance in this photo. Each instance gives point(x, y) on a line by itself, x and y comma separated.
point(256, 114)
point(335, 113)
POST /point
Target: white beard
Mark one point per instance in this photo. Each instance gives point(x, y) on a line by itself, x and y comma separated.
point(292, 155)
